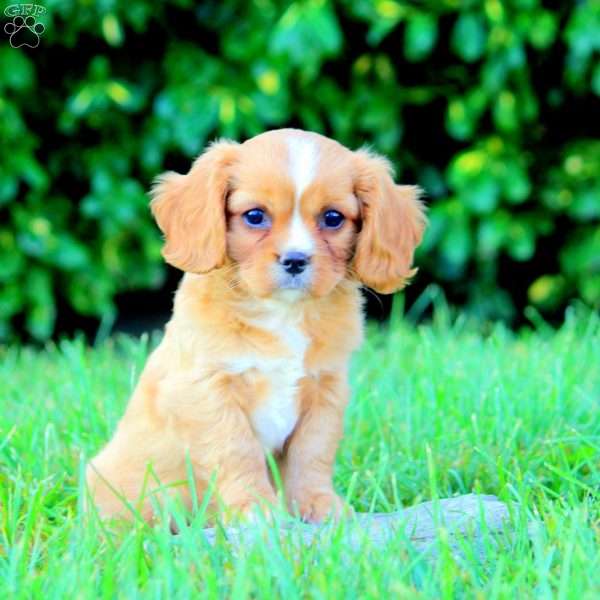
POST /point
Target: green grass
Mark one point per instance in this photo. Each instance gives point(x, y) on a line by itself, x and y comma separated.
point(438, 410)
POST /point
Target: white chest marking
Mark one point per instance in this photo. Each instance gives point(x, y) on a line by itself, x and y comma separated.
point(276, 416)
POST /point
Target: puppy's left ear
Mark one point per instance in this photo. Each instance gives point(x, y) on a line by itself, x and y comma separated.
point(393, 221)
point(190, 210)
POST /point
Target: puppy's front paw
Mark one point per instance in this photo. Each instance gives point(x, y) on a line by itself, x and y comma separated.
point(251, 510)
point(318, 506)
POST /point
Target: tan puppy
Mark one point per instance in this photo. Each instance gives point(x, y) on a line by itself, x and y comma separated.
point(276, 236)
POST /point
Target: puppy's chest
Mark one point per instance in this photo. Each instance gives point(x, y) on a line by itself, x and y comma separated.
point(274, 413)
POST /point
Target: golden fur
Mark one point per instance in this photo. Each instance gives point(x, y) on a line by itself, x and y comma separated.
point(244, 366)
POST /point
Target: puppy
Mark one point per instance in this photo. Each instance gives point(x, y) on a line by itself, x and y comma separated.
point(275, 236)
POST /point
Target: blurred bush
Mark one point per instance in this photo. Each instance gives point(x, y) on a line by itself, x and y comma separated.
point(488, 105)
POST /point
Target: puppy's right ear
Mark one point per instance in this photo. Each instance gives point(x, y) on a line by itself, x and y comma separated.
point(190, 210)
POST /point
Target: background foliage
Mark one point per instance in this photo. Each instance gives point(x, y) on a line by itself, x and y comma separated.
point(491, 106)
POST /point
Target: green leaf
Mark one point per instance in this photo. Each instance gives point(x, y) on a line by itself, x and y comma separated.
point(8, 187)
point(491, 235)
point(112, 30)
point(459, 120)
point(586, 204)
point(515, 182)
point(464, 113)
point(589, 287)
point(91, 292)
point(16, 69)
point(69, 254)
point(547, 291)
point(520, 243)
point(469, 36)
point(11, 300)
point(41, 312)
point(581, 255)
point(420, 36)
point(307, 33)
point(456, 244)
point(543, 29)
point(482, 194)
point(505, 111)
point(465, 166)
point(11, 258)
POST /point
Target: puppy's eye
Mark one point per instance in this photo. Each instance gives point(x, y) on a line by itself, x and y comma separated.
point(332, 219)
point(256, 218)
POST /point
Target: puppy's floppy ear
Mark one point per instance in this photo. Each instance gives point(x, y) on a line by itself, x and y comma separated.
point(393, 221)
point(190, 210)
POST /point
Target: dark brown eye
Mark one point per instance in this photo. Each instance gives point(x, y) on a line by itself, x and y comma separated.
point(257, 218)
point(332, 219)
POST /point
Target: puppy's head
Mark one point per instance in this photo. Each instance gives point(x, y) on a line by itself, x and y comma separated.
point(290, 214)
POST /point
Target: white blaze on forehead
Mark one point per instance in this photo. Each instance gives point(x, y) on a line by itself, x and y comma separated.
point(303, 159)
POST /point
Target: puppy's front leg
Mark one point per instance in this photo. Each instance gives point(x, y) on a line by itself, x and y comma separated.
point(307, 466)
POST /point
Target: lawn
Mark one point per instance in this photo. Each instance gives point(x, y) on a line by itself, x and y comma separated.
point(438, 410)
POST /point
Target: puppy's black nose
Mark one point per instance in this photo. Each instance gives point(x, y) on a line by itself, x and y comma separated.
point(294, 262)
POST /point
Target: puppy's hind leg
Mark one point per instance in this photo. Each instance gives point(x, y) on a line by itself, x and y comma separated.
point(130, 478)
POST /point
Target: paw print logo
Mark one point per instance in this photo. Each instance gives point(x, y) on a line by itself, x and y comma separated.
point(24, 31)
